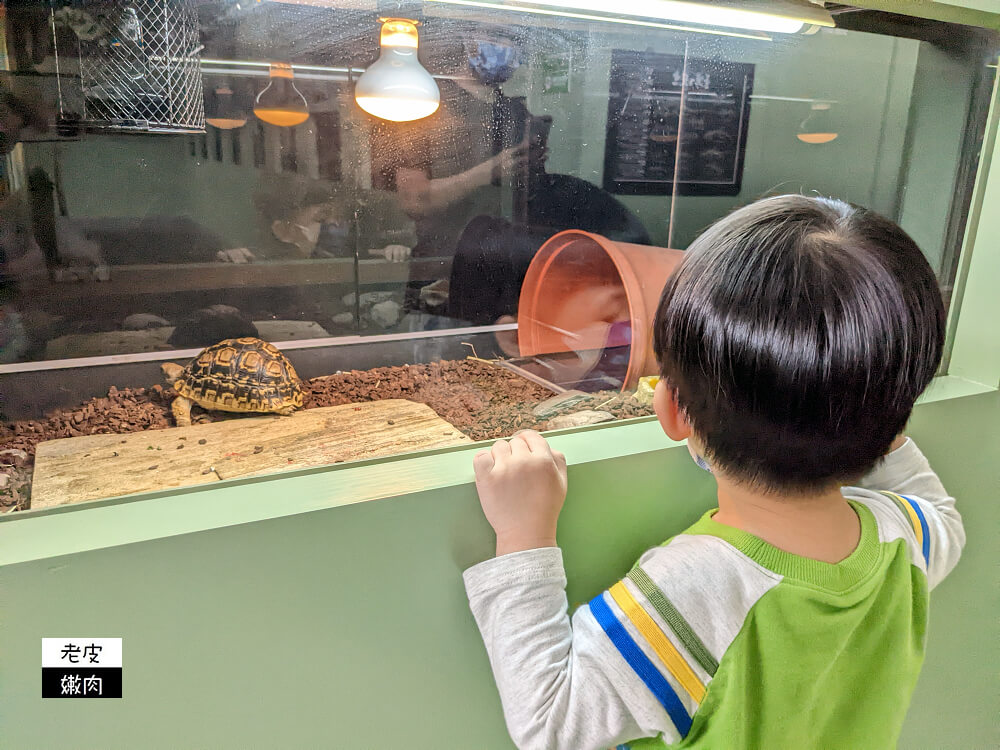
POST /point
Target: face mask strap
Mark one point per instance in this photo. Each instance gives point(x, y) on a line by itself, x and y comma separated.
point(698, 458)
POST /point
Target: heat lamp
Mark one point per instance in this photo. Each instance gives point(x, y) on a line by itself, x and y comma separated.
point(396, 86)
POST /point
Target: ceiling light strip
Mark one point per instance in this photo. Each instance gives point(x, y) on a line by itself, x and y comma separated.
point(678, 11)
point(605, 19)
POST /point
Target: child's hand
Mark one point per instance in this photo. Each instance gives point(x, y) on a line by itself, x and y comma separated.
point(522, 486)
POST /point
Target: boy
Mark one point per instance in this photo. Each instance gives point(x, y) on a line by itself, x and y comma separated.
point(793, 341)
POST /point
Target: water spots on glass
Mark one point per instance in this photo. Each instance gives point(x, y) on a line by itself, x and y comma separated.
point(138, 246)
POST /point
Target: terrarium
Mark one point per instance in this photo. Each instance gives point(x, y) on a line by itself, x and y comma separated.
point(293, 281)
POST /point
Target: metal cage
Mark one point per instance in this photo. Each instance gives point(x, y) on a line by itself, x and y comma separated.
point(129, 65)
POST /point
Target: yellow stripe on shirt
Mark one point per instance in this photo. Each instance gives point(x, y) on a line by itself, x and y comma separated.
point(918, 529)
point(659, 642)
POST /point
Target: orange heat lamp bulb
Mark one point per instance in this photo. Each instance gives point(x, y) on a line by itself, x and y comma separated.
point(281, 103)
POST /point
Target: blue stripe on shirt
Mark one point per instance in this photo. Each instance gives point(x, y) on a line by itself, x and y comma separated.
point(641, 664)
point(926, 548)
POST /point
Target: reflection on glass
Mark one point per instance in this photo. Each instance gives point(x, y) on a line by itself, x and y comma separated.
point(787, 19)
point(223, 110)
point(353, 242)
point(396, 87)
point(281, 103)
point(817, 128)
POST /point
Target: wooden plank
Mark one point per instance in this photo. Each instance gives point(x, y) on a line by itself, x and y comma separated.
point(290, 330)
point(161, 278)
point(107, 343)
point(72, 470)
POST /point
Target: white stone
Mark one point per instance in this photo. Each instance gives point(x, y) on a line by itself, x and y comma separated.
point(374, 298)
point(386, 314)
point(13, 457)
point(69, 274)
point(579, 419)
point(562, 402)
point(343, 319)
point(348, 300)
point(647, 386)
point(142, 321)
point(224, 310)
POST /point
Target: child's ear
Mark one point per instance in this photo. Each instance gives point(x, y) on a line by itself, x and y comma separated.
point(671, 416)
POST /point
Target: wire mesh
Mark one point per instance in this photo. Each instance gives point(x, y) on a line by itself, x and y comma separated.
point(138, 63)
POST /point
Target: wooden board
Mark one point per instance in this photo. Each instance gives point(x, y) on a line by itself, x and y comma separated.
point(290, 330)
point(109, 342)
point(105, 297)
point(71, 470)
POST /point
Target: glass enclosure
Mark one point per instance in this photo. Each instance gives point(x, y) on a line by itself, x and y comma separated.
point(180, 173)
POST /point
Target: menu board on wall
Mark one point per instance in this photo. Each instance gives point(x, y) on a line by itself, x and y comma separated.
point(645, 120)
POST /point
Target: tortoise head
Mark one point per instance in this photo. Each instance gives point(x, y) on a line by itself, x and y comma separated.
point(171, 371)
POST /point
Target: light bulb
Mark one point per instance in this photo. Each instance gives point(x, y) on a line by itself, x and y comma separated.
point(222, 110)
point(281, 103)
point(817, 128)
point(396, 86)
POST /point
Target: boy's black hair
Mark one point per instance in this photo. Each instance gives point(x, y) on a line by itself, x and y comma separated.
point(797, 334)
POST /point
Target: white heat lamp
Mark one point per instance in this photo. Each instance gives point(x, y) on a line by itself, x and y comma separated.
point(396, 86)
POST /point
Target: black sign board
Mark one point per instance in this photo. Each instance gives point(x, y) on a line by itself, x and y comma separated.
point(646, 120)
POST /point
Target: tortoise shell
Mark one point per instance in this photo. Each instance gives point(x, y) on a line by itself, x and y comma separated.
point(241, 375)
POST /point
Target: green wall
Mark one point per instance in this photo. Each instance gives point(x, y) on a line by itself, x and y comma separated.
point(347, 627)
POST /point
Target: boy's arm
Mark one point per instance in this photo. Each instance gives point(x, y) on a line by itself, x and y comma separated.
point(906, 472)
point(562, 686)
point(579, 686)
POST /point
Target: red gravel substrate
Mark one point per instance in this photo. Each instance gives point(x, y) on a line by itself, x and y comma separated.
point(482, 400)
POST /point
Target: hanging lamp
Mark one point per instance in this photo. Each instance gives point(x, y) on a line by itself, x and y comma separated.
point(281, 103)
point(817, 128)
point(396, 86)
point(222, 110)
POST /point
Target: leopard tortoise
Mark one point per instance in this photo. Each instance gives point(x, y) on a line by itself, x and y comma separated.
point(235, 375)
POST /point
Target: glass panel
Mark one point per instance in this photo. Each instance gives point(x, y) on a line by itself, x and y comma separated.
point(176, 174)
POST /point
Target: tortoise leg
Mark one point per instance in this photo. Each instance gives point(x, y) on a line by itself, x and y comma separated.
point(286, 412)
point(181, 407)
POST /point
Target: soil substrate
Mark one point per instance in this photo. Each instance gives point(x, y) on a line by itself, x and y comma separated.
point(481, 399)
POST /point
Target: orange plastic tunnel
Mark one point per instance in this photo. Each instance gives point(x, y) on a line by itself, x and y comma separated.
point(584, 293)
